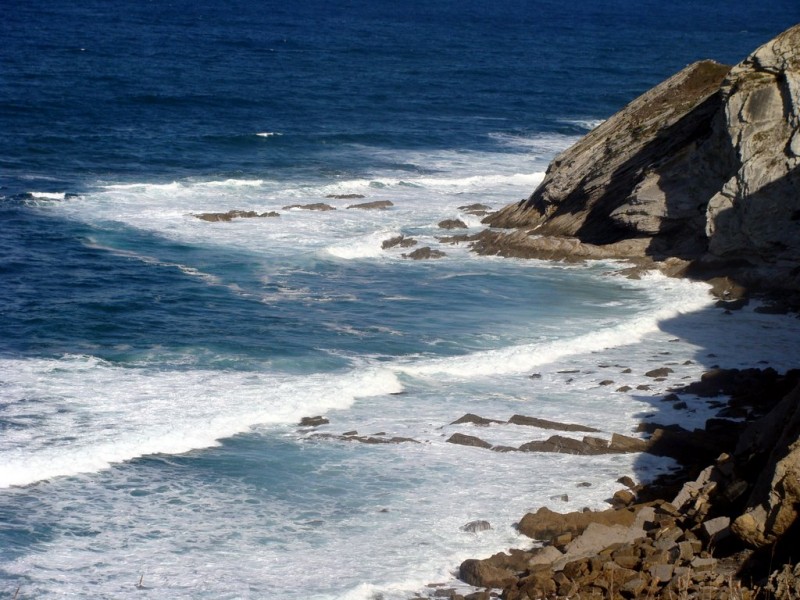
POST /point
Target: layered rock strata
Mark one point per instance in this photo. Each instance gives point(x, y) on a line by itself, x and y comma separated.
point(705, 167)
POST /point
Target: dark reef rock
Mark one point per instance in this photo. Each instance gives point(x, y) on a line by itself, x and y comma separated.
point(315, 206)
point(474, 419)
point(400, 241)
point(376, 205)
point(234, 214)
point(545, 424)
point(452, 224)
point(424, 253)
point(313, 421)
point(468, 440)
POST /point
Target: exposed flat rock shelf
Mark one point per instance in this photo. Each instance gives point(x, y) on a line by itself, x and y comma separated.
point(703, 169)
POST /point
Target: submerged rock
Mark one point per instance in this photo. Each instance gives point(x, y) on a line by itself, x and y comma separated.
point(476, 526)
point(315, 206)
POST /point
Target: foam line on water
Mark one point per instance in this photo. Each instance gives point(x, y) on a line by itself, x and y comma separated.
point(80, 414)
point(671, 298)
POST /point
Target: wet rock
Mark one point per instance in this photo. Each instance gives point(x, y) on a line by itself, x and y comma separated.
point(452, 224)
point(476, 526)
point(424, 254)
point(234, 214)
point(563, 445)
point(376, 205)
point(662, 372)
point(474, 419)
point(481, 573)
point(400, 241)
point(321, 206)
point(544, 524)
point(623, 498)
point(313, 421)
point(545, 424)
point(623, 443)
point(468, 440)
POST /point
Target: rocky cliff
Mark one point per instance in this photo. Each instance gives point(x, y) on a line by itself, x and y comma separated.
point(705, 167)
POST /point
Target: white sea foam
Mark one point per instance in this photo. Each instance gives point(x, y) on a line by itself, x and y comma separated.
point(79, 415)
point(587, 124)
point(48, 195)
point(267, 134)
point(367, 246)
point(675, 297)
point(542, 146)
point(232, 183)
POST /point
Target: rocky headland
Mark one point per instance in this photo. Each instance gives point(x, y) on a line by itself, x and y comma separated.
point(699, 177)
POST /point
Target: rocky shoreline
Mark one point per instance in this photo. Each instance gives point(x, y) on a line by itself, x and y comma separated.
point(710, 530)
point(698, 177)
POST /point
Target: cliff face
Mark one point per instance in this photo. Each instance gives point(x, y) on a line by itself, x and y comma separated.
point(703, 167)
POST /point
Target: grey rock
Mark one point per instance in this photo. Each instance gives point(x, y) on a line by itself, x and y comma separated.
point(702, 173)
point(424, 254)
point(468, 440)
point(314, 206)
point(376, 205)
point(476, 526)
point(452, 224)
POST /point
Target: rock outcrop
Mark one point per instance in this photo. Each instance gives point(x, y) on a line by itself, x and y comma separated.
point(704, 167)
point(728, 531)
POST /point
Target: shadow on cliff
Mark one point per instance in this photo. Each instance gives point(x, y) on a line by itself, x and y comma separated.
point(749, 256)
point(677, 153)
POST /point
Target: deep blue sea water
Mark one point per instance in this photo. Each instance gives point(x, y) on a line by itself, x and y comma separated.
point(154, 366)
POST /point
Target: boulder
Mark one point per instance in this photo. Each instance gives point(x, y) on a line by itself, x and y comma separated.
point(400, 241)
point(424, 254)
point(662, 372)
point(476, 526)
point(481, 573)
point(545, 523)
point(452, 224)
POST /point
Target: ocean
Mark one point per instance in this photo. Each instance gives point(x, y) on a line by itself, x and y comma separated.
point(155, 366)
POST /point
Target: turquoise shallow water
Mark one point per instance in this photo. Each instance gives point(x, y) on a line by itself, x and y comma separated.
point(154, 367)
